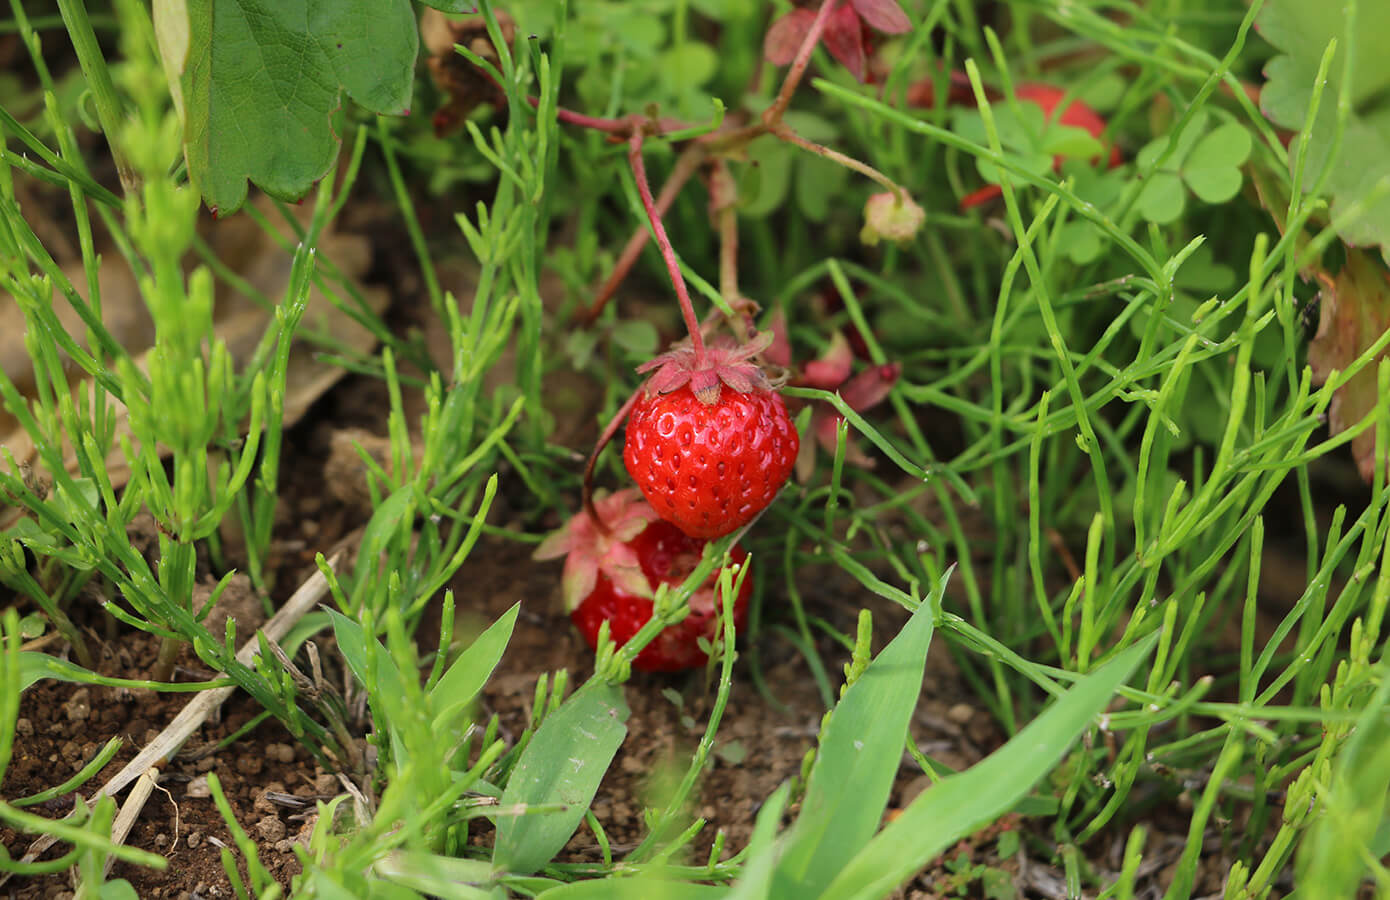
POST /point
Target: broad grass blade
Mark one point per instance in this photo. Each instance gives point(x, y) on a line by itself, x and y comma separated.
point(756, 882)
point(388, 686)
point(563, 763)
point(960, 804)
point(634, 889)
point(856, 763)
point(438, 876)
point(463, 679)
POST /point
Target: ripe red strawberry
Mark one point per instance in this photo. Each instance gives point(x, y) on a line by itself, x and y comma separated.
point(709, 460)
point(1075, 114)
point(614, 577)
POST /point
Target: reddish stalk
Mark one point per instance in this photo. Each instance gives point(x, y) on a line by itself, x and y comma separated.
point(773, 114)
point(728, 254)
point(668, 253)
point(587, 485)
point(686, 165)
point(623, 126)
point(782, 132)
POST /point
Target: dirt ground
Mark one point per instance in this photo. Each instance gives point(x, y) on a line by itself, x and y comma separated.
point(272, 782)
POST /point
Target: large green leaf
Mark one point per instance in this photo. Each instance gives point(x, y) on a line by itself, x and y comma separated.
point(257, 83)
point(563, 763)
point(463, 679)
point(633, 889)
point(1301, 31)
point(960, 804)
point(387, 689)
point(758, 872)
point(856, 763)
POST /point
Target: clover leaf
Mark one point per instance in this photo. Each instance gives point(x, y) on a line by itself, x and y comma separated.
point(1302, 31)
point(1035, 143)
point(257, 84)
point(1208, 164)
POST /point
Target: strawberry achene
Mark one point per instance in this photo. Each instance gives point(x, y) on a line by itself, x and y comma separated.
point(710, 468)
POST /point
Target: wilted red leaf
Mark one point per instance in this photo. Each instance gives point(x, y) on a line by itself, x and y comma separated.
point(833, 367)
point(1355, 312)
point(882, 15)
point(871, 387)
point(785, 36)
point(779, 352)
point(844, 38)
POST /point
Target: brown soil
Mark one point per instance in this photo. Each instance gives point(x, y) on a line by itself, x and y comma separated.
point(271, 782)
point(62, 726)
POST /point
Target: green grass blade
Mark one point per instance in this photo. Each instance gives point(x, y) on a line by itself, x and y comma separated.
point(35, 667)
point(756, 882)
point(1334, 858)
point(858, 758)
point(961, 803)
point(633, 889)
point(466, 677)
point(388, 686)
point(438, 876)
point(563, 763)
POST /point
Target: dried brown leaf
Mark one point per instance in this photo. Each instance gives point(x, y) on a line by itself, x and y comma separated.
point(1354, 313)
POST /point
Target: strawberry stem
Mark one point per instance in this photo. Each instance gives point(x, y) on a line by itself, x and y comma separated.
point(587, 488)
point(686, 165)
point(773, 114)
point(621, 126)
point(785, 133)
point(668, 253)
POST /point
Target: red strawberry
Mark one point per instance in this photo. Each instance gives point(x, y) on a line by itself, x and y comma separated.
point(614, 577)
point(709, 460)
point(1075, 114)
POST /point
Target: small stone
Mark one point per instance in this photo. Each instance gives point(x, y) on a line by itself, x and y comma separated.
point(282, 752)
point(961, 713)
point(284, 846)
point(195, 839)
point(262, 803)
point(198, 788)
point(79, 706)
point(271, 829)
point(205, 764)
point(326, 785)
point(249, 765)
point(23, 727)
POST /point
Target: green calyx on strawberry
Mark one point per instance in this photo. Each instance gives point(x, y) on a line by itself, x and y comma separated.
point(614, 577)
point(710, 442)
